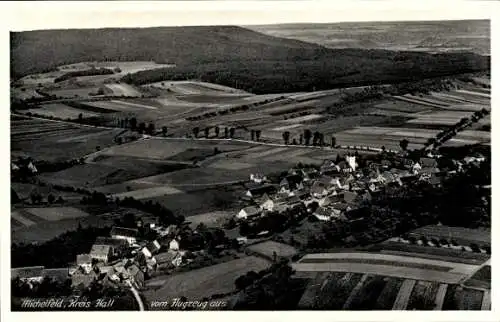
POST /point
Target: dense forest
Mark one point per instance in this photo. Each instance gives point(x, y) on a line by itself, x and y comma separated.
point(335, 68)
point(233, 56)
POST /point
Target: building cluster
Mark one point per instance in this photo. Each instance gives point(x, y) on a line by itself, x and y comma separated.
point(335, 188)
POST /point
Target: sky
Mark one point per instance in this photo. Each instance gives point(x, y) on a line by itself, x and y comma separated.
point(20, 16)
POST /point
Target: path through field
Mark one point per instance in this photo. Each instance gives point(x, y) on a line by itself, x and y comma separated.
point(404, 295)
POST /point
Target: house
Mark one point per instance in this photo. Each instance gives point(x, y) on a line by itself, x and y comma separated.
point(148, 222)
point(266, 203)
point(291, 182)
point(101, 253)
point(350, 197)
point(319, 190)
point(351, 162)
point(153, 247)
point(259, 191)
point(328, 200)
point(84, 261)
point(386, 164)
point(428, 163)
point(57, 274)
point(329, 182)
point(280, 207)
point(329, 168)
point(323, 214)
point(128, 234)
point(308, 174)
point(118, 246)
point(339, 208)
point(248, 213)
point(301, 194)
point(170, 258)
point(173, 245)
point(28, 274)
point(258, 178)
point(82, 280)
point(416, 167)
point(344, 167)
point(346, 180)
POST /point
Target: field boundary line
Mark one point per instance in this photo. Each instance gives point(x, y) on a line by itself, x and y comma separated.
point(441, 293)
point(404, 295)
point(486, 303)
point(354, 292)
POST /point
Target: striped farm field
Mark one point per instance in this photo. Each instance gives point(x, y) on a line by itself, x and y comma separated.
point(473, 93)
point(401, 106)
point(286, 127)
point(74, 92)
point(123, 89)
point(148, 193)
point(460, 98)
point(426, 99)
point(230, 165)
point(290, 108)
point(387, 265)
point(470, 134)
point(417, 101)
point(59, 213)
point(61, 111)
point(304, 118)
point(401, 301)
point(164, 149)
point(388, 295)
point(423, 296)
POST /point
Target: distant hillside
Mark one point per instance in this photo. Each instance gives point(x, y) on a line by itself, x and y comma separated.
point(430, 36)
point(37, 51)
point(233, 56)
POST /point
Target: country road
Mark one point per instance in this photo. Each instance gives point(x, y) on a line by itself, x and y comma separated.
point(136, 295)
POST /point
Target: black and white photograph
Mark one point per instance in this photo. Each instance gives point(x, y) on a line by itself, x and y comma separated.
point(276, 165)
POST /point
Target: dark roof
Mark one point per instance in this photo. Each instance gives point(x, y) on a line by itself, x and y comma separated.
point(260, 190)
point(349, 196)
point(428, 162)
point(83, 259)
point(100, 250)
point(58, 274)
point(152, 246)
point(27, 272)
point(121, 231)
point(339, 206)
point(165, 257)
point(110, 241)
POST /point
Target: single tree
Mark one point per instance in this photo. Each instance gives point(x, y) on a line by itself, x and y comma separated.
point(226, 132)
point(164, 130)
point(301, 139)
point(133, 123)
point(231, 132)
point(196, 131)
point(404, 144)
point(151, 129)
point(316, 137)
point(334, 142)
point(286, 137)
point(80, 117)
point(142, 127)
point(217, 130)
point(51, 198)
point(257, 135)
point(252, 135)
point(207, 132)
point(307, 136)
point(294, 141)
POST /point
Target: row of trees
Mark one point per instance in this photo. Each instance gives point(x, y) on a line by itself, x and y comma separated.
point(318, 138)
point(229, 132)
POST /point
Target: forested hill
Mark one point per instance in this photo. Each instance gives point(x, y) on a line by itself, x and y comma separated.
point(233, 56)
point(36, 51)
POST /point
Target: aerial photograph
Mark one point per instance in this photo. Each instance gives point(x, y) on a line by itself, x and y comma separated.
point(302, 166)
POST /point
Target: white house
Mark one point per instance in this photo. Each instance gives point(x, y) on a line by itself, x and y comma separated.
point(416, 168)
point(84, 261)
point(173, 245)
point(258, 178)
point(128, 234)
point(248, 213)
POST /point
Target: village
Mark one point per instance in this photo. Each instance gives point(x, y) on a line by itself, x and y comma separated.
point(128, 257)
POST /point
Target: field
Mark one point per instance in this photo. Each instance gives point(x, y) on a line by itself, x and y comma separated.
point(37, 138)
point(61, 111)
point(45, 230)
point(24, 191)
point(108, 170)
point(203, 282)
point(210, 219)
point(462, 236)
point(165, 149)
point(123, 90)
point(268, 248)
point(32, 216)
